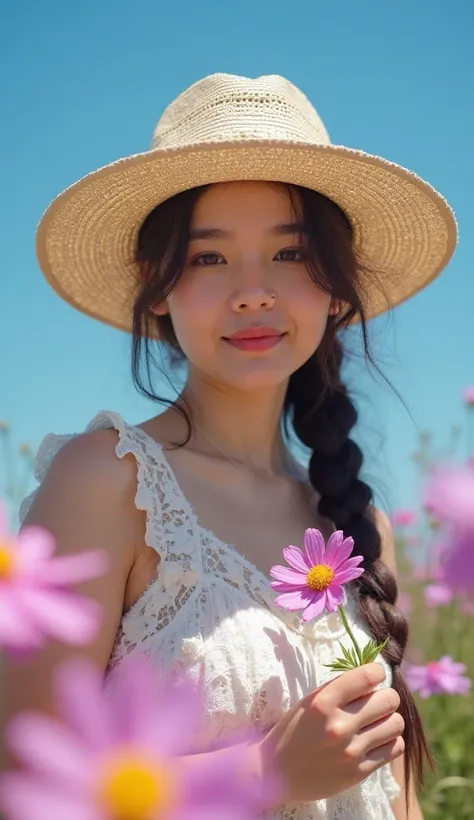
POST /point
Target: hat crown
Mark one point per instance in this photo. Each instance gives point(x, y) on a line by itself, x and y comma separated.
point(226, 107)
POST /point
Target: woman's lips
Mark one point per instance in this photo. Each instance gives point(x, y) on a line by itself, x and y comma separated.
point(255, 342)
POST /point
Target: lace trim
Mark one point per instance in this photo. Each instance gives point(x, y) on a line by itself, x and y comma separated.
point(129, 442)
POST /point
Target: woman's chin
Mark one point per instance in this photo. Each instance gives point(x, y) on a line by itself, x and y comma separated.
point(257, 379)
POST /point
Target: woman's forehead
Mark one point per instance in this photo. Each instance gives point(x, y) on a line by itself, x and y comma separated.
point(265, 205)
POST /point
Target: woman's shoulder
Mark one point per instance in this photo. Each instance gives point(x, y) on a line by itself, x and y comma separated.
point(97, 460)
point(93, 448)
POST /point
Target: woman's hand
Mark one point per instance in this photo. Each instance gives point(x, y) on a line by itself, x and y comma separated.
point(335, 737)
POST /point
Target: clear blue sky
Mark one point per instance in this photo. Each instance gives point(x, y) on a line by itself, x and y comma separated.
point(86, 83)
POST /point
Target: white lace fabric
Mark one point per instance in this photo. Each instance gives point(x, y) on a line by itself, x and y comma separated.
point(210, 612)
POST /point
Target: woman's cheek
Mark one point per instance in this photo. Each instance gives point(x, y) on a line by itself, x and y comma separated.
point(195, 310)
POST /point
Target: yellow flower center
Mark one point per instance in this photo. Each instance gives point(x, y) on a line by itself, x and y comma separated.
point(320, 577)
point(6, 561)
point(135, 788)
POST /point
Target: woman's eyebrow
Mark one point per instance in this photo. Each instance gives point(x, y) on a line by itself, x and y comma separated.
point(283, 229)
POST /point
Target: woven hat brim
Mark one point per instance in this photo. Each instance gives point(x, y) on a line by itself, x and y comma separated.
point(86, 239)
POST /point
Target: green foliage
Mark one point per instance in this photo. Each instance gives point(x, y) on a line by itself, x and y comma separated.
point(444, 630)
point(16, 470)
point(449, 719)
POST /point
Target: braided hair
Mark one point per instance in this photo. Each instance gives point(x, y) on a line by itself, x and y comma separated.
point(317, 405)
point(322, 419)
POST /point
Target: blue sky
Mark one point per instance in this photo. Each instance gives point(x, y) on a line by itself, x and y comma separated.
point(86, 85)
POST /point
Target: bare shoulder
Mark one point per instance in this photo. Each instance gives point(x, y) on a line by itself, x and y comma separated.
point(90, 459)
point(384, 526)
point(87, 497)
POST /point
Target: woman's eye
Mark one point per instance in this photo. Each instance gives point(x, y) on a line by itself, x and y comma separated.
point(290, 255)
point(207, 259)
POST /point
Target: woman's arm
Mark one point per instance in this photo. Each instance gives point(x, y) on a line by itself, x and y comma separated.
point(398, 766)
point(86, 501)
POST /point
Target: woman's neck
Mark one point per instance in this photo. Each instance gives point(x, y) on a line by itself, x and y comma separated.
point(243, 426)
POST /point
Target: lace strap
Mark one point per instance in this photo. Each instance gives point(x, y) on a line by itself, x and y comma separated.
point(130, 440)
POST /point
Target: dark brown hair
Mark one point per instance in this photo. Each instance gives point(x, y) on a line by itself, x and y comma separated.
point(317, 409)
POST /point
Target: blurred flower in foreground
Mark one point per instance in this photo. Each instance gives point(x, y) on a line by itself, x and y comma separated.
point(403, 518)
point(438, 678)
point(116, 754)
point(438, 595)
point(468, 396)
point(35, 599)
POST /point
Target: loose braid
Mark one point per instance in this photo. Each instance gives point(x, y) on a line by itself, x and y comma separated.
point(323, 416)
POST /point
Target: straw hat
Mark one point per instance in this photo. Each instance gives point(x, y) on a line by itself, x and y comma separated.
point(226, 128)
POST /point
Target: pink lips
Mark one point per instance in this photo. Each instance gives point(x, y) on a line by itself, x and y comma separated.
point(255, 338)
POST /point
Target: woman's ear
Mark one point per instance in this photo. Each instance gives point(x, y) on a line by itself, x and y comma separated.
point(335, 307)
point(160, 309)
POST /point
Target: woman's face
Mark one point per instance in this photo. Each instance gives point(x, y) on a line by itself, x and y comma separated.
point(245, 273)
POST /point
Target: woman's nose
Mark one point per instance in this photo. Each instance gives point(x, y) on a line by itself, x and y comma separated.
point(256, 298)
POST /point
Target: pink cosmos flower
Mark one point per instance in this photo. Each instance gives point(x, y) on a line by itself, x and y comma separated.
point(116, 754)
point(450, 495)
point(468, 396)
point(313, 581)
point(438, 678)
point(35, 599)
point(458, 568)
point(438, 595)
point(403, 518)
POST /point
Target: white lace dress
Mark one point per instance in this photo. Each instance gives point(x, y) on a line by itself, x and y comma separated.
point(211, 611)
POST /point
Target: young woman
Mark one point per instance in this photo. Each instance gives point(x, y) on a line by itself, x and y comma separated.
point(243, 244)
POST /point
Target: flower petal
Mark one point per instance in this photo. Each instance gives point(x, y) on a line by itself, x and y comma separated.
point(35, 545)
point(17, 629)
point(48, 747)
point(26, 797)
point(184, 704)
point(63, 615)
point(335, 596)
point(315, 608)
point(296, 559)
point(334, 547)
point(356, 561)
point(74, 569)
point(223, 781)
point(346, 575)
point(82, 702)
point(281, 586)
point(314, 546)
point(288, 575)
point(153, 711)
point(343, 554)
point(292, 600)
point(4, 528)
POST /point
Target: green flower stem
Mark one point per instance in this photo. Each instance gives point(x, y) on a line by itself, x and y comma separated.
point(350, 633)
